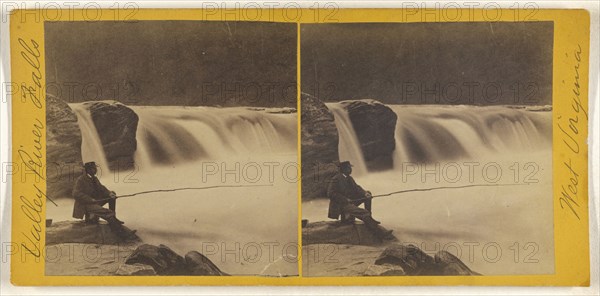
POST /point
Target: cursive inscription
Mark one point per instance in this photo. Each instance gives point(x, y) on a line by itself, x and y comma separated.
point(30, 52)
point(31, 154)
point(32, 209)
point(32, 159)
point(570, 128)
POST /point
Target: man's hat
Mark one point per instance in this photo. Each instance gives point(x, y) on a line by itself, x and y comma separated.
point(345, 164)
point(90, 164)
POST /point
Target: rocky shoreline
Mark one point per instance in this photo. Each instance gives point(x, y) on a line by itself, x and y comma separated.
point(335, 249)
point(77, 248)
point(63, 146)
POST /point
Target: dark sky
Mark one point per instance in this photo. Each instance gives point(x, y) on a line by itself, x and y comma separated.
point(173, 62)
point(429, 63)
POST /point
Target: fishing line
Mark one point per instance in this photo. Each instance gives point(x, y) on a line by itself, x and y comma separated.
point(438, 188)
point(186, 188)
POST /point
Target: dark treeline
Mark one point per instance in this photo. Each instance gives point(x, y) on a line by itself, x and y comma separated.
point(173, 62)
point(429, 63)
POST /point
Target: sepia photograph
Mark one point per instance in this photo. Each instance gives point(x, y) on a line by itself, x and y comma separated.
point(427, 149)
point(171, 148)
point(280, 146)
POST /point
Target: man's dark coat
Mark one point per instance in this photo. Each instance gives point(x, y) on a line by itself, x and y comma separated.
point(341, 191)
point(86, 192)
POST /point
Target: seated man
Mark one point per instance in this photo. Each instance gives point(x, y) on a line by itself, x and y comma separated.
point(344, 198)
point(90, 197)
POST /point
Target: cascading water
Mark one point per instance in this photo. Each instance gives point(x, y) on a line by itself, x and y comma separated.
point(91, 147)
point(168, 135)
point(439, 146)
point(429, 134)
point(348, 145)
point(181, 147)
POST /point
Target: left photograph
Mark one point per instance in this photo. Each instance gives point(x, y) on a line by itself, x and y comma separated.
point(171, 148)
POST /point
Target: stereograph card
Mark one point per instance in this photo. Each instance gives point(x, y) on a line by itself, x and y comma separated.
point(300, 147)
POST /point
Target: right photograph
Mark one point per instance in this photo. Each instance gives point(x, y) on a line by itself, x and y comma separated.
point(427, 149)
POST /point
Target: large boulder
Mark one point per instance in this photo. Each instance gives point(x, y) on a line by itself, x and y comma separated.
point(412, 259)
point(81, 232)
point(164, 260)
point(117, 126)
point(320, 138)
point(334, 232)
point(449, 264)
point(63, 148)
point(198, 264)
point(375, 127)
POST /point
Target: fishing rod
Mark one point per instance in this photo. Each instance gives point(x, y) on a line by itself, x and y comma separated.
point(55, 204)
point(437, 188)
point(184, 188)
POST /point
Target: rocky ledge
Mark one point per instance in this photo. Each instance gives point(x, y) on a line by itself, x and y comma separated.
point(77, 248)
point(333, 249)
point(79, 232)
point(334, 232)
point(320, 138)
point(63, 148)
point(164, 261)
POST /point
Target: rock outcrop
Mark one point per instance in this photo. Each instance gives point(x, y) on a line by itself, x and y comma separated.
point(412, 259)
point(63, 148)
point(81, 232)
point(375, 127)
point(198, 264)
point(117, 126)
point(320, 155)
point(77, 248)
point(416, 262)
point(449, 264)
point(165, 261)
point(334, 249)
point(334, 232)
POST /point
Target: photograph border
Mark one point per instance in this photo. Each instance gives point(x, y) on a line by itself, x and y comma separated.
point(570, 101)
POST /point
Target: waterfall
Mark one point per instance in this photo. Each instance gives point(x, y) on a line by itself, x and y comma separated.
point(434, 138)
point(434, 133)
point(91, 147)
point(168, 135)
point(348, 146)
point(428, 134)
point(245, 146)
